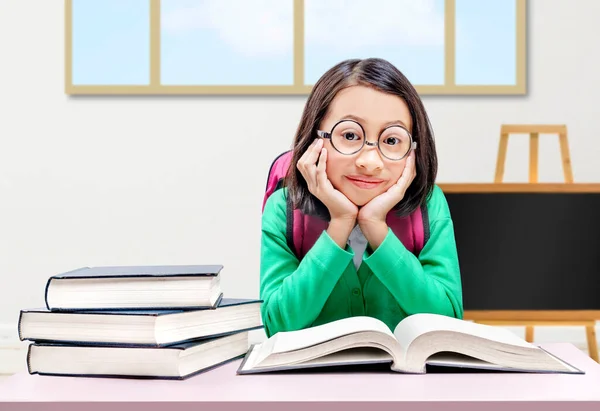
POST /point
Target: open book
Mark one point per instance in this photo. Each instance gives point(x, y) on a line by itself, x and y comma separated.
point(417, 341)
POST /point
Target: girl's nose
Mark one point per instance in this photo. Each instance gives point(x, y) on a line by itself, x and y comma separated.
point(369, 159)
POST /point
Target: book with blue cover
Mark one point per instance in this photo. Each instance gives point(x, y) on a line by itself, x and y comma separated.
point(178, 362)
point(135, 287)
point(152, 328)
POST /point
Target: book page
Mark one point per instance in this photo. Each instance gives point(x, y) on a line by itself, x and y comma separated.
point(418, 324)
point(294, 340)
point(351, 356)
point(449, 359)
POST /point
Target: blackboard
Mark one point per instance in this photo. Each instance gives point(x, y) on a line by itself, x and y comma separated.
point(528, 250)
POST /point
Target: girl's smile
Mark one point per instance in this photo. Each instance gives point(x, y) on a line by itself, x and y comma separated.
point(364, 182)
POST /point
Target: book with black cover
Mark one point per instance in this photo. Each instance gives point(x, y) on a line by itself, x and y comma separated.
point(174, 362)
point(139, 327)
point(141, 271)
point(135, 287)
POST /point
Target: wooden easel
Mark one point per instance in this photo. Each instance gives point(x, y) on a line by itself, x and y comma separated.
point(534, 131)
point(529, 319)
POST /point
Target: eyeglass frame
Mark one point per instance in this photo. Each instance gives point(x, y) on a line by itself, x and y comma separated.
point(327, 135)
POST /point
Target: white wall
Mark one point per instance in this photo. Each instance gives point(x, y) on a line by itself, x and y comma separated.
point(179, 180)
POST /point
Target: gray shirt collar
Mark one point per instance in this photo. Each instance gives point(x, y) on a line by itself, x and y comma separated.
point(358, 242)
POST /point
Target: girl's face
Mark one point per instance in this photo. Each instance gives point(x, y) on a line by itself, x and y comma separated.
point(364, 175)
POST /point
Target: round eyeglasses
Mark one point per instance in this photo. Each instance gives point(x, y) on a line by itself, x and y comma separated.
point(348, 137)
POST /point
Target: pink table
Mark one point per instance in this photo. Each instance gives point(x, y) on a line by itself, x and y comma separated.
point(221, 389)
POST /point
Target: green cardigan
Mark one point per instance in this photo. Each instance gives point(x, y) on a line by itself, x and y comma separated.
point(391, 283)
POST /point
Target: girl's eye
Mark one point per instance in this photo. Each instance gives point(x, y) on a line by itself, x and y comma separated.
point(391, 141)
point(351, 136)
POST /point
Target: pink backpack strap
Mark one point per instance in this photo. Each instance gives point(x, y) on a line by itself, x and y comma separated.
point(411, 230)
point(423, 223)
point(303, 230)
point(306, 230)
point(277, 172)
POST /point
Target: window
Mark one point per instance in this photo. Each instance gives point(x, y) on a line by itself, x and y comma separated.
point(284, 46)
point(233, 42)
point(110, 42)
point(408, 33)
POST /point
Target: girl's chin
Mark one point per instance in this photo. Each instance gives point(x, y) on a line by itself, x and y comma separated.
point(361, 200)
point(359, 197)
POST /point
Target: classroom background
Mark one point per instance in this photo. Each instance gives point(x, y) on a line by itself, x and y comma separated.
point(127, 178)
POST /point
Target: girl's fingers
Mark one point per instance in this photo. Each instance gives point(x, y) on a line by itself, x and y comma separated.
point(408, 174)
point(312, 154)
point(304, 156)
point(307, 162)
point(322, 168)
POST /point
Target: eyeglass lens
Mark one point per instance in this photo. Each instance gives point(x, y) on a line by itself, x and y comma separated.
point(348, 138)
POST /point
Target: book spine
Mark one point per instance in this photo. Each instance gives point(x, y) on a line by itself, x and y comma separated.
point(46, 292)
point(19, 325)
point(29, 359)
point(217, 302)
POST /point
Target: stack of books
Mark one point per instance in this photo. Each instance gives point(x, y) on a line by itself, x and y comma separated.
point(168, 322)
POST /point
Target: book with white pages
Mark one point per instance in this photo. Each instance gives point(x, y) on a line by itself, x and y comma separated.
point(140, 327)
point(135, 287)
point(418, 341)
point(178, 362)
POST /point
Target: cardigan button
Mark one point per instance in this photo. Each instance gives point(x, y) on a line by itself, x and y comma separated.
point(356, 291)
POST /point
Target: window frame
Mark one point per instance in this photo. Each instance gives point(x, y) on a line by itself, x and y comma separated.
point(298, 88)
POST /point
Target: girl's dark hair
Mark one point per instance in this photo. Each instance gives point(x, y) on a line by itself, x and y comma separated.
point(382, 76)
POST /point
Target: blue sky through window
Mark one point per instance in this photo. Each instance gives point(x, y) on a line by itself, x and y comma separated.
point(250, 42)
point(408, 33)
point(111, 42)
point(486, 42)
point(227, 42)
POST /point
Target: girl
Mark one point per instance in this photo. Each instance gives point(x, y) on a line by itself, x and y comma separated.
point(364, 148)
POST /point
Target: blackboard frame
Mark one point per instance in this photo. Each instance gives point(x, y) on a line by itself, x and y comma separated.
point(527, 318)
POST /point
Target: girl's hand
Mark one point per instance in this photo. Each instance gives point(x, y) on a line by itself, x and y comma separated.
point(376, 210)
point(312, 166)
